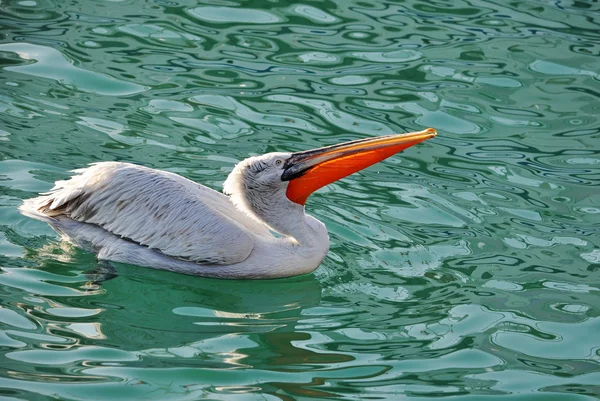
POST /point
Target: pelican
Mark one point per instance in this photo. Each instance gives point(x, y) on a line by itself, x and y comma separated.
point(256, 229)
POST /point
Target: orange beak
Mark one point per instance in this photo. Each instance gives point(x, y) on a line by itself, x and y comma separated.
point(312, 169)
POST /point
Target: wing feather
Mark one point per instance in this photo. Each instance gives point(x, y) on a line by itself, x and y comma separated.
point(161, 210)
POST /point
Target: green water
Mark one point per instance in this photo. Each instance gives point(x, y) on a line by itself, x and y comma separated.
point(466, 268)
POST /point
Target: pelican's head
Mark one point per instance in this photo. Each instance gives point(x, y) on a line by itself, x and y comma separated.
point(277, 181)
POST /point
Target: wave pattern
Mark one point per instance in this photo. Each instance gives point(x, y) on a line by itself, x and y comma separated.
point(466, 268)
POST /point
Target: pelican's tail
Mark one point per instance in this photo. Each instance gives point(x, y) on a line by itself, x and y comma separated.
point(37, 209)
point(53, 203)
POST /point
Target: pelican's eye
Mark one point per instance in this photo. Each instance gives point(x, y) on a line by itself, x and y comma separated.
point(278, 162)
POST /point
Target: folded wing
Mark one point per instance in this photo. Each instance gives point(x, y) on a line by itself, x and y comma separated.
point(157, 209)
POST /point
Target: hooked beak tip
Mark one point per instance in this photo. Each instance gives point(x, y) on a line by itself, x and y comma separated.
point(430, 131)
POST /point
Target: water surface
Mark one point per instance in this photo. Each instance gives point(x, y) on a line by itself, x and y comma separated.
point(466, 268)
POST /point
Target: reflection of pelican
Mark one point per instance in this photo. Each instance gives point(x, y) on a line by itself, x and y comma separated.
point(207, 321)
point(195, 310)
point(137, 215)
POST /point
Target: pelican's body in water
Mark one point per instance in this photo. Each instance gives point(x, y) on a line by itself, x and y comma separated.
point(257, 228)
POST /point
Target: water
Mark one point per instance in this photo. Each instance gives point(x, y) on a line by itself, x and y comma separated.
point(465, 268)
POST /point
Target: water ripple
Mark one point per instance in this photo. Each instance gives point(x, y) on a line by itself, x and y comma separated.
point(465, 267)
point(50, 63)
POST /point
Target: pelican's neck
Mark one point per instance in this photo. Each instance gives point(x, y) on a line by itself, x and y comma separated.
point(291, 220)
point(303, 248)
point(269, 205)
point(306, 241)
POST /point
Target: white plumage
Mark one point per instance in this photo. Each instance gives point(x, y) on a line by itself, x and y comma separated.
point(157, 209)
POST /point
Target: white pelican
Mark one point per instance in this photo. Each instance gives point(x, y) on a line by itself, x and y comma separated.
point(133, 214)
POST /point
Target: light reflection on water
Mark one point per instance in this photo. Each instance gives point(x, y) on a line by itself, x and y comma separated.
point(467, 267)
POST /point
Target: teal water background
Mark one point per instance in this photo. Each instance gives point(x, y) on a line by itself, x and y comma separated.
point(466, 268)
